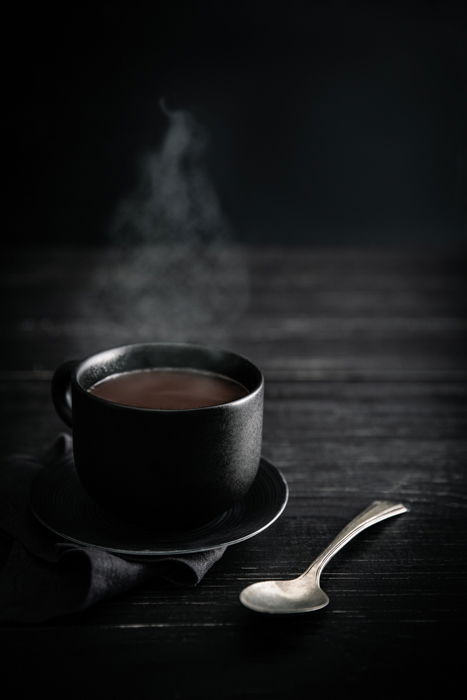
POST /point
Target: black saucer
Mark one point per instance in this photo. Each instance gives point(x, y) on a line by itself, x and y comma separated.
point(59, 502)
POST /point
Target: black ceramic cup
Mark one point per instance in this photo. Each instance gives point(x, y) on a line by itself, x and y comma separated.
point(157, 467)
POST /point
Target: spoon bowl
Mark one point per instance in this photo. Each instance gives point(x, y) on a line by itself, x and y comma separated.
point(283, 597)
point(304, 593)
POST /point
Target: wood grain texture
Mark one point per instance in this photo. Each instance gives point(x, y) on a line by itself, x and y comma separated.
point(364, 357)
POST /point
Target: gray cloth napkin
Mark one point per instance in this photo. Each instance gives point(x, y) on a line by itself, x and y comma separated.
point(42, 577)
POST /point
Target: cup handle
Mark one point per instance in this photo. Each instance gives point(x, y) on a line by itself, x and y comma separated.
point(61, 390)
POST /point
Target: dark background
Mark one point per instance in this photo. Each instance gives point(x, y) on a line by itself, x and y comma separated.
point(328, 122)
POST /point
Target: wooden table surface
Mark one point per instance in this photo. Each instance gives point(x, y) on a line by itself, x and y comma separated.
point(364, 358)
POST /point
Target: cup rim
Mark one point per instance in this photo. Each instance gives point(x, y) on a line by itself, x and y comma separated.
point(81, 365)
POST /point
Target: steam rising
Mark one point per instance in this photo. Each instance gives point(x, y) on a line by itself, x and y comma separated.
point(173, 271)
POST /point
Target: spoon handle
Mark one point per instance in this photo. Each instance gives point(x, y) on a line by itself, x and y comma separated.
point(374, 513)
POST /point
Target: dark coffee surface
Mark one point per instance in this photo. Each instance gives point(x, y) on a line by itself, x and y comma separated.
point(168, 389)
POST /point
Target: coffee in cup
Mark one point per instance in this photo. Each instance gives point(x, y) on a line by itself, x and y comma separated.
point(164, 435)
point(171, 389)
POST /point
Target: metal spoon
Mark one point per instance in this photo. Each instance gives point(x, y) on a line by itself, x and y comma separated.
point(303, 594)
